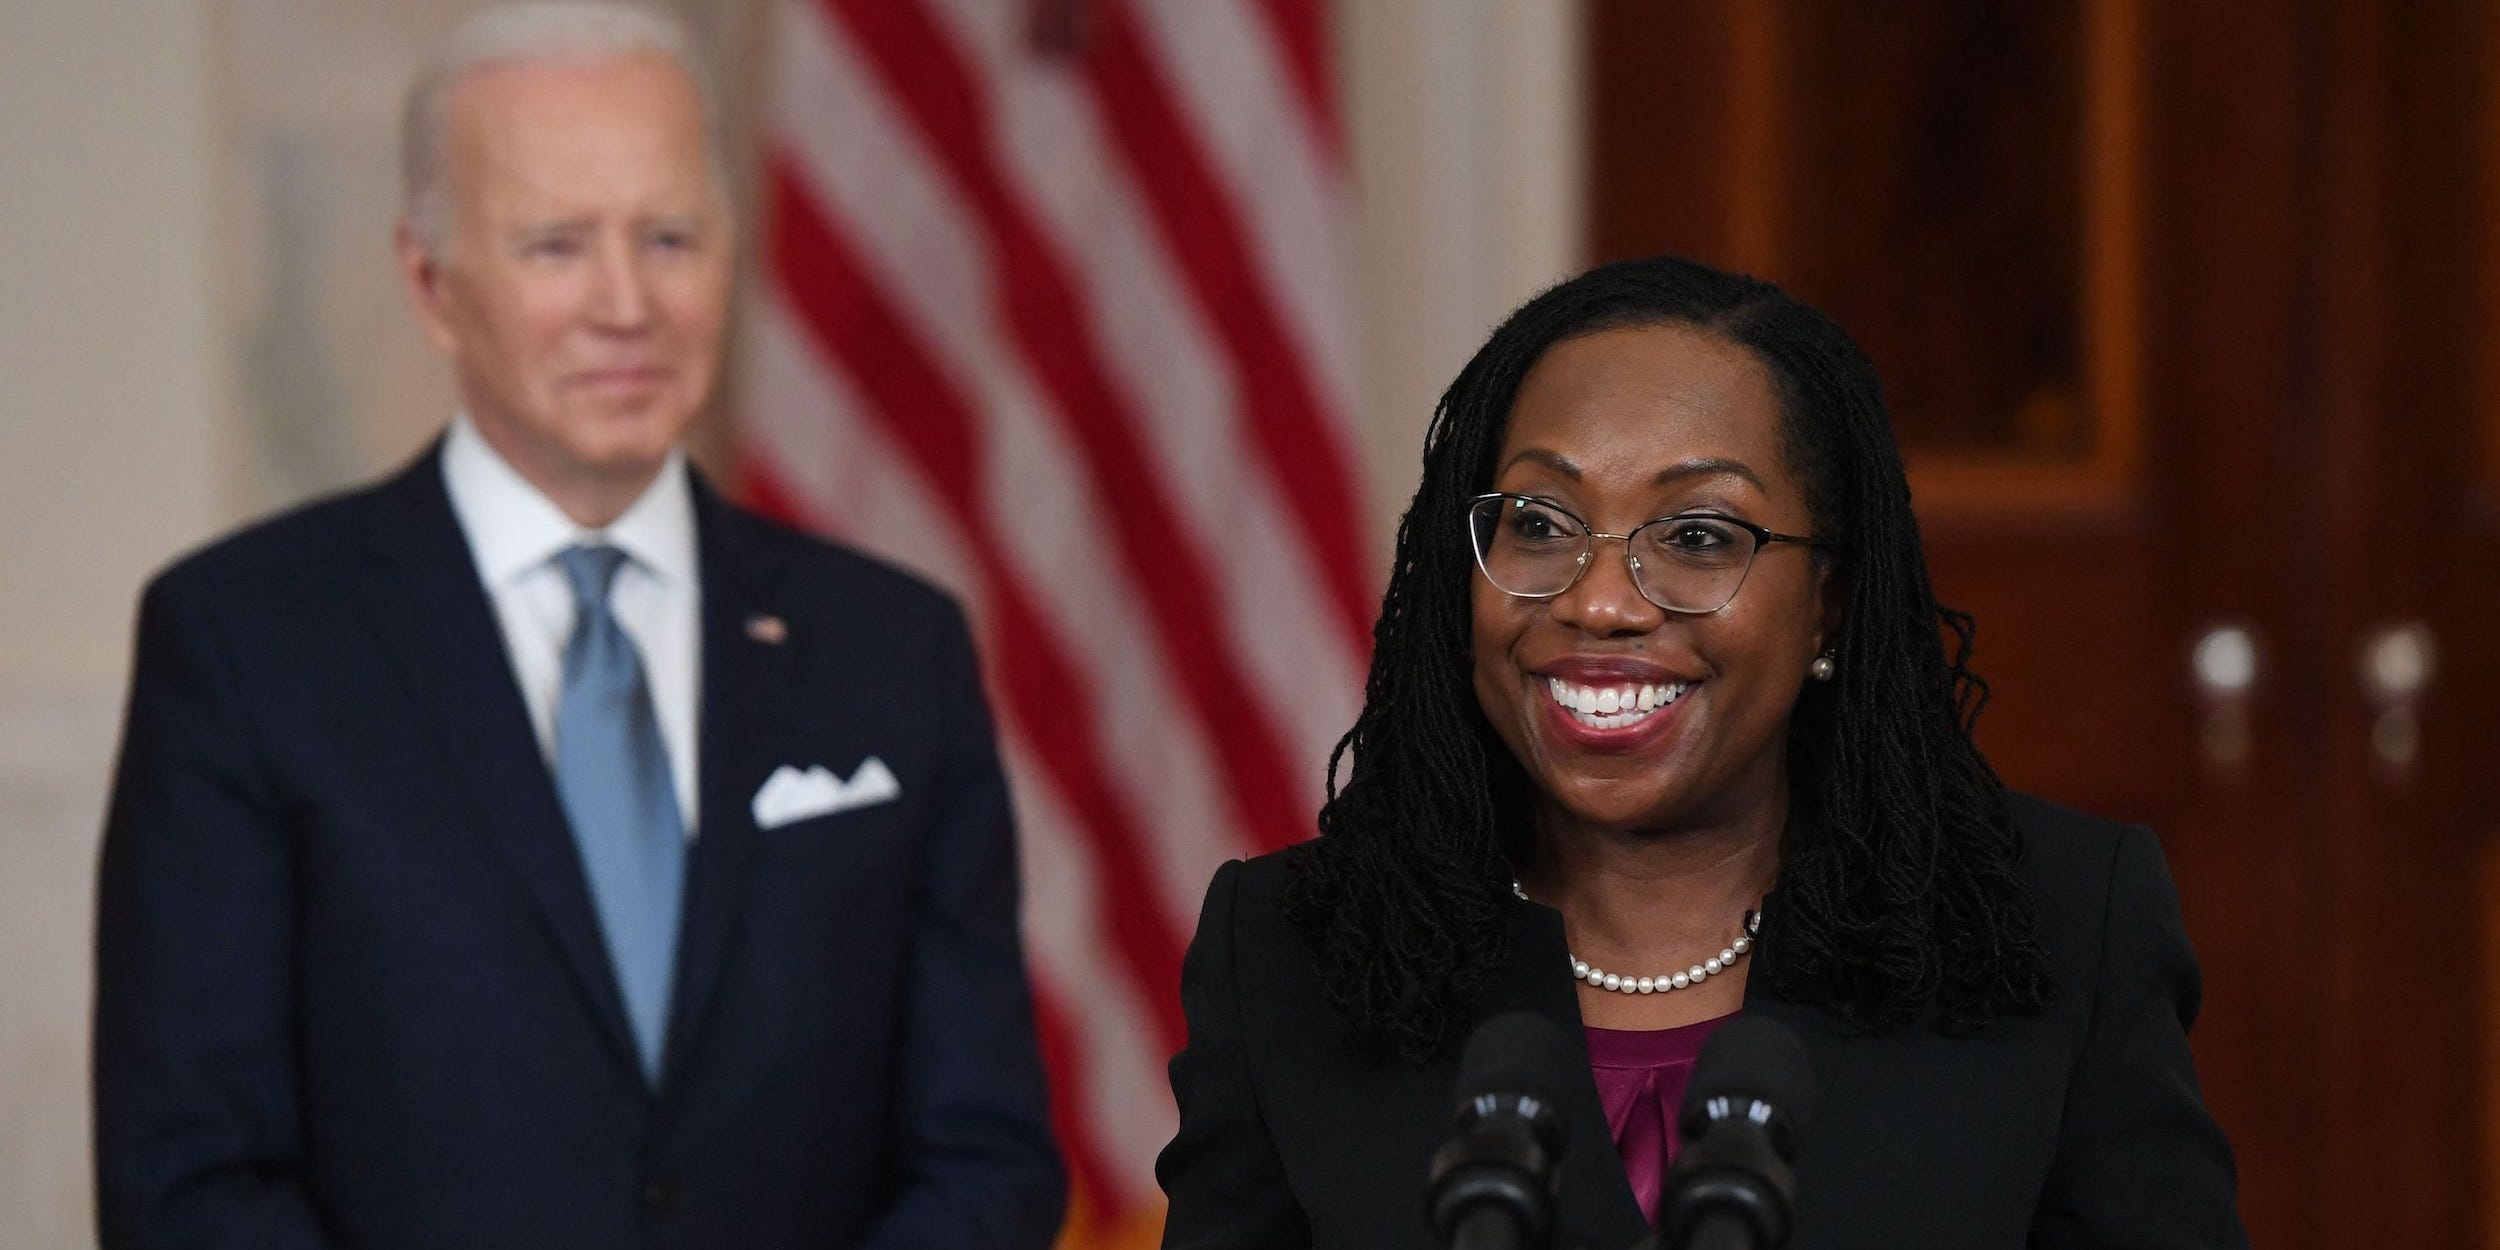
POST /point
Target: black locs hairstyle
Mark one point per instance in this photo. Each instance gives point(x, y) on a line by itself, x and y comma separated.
point(1899, 892)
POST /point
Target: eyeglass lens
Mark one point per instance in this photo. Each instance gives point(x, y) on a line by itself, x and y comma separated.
point(1683, 564)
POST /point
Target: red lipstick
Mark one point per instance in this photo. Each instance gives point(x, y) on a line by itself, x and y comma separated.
point(1626, 729)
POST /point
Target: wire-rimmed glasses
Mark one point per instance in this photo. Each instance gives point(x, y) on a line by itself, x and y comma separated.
point(1692, 562)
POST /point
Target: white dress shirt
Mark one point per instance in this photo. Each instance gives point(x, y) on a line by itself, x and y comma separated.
point(515, 533)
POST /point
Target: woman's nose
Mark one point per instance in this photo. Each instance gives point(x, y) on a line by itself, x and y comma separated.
point(1606, 600)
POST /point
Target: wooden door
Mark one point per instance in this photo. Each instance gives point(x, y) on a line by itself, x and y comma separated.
point(2411, 141)
point(2184, 314)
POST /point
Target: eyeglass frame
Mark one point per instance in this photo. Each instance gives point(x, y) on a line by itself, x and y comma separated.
point(1763, 536)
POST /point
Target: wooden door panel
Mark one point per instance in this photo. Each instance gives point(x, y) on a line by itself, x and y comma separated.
point(2187, 315)
point(1827, 145)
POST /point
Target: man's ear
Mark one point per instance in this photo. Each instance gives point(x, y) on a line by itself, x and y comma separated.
point(422, 275)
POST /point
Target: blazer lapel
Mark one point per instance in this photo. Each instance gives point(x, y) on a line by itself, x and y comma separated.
point(750, 659)
point(1827, 1044)
point(1597, 1207)
point(425, 594)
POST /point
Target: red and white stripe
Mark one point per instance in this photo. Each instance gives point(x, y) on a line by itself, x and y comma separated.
point(1070, 330)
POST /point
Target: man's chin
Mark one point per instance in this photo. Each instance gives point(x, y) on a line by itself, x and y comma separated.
point(626, 441)
point(627, 465)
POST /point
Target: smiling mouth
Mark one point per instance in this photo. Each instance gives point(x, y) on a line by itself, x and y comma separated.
point(1612, 707)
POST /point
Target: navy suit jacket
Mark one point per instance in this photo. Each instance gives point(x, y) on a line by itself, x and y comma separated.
point(350, 987)
point(2077, 1127)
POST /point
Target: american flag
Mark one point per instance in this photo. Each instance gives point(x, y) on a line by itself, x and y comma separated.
point(1056, 308)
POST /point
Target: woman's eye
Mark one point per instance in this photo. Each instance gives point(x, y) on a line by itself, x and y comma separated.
point(1530, 523)
point(1697, 536)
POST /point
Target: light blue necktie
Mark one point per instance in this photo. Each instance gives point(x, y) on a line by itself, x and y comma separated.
point(613, 775)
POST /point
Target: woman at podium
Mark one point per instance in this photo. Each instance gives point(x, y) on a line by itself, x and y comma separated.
point(1664, 724)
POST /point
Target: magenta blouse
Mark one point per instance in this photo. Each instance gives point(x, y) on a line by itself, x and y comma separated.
point(1641, 1075)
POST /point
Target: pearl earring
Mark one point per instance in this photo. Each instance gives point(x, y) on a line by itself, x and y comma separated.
point(1822, 668)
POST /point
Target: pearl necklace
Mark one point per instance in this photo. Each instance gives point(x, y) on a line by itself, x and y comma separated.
point(1599, 978)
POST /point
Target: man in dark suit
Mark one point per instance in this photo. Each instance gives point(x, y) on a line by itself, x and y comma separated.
point(533, 850)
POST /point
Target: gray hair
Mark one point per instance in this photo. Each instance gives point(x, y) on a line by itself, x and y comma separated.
point(548, 30)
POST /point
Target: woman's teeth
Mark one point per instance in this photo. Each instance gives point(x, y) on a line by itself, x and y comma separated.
point(1611, 707)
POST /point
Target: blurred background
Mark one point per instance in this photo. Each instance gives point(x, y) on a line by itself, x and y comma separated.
point(2186, 312)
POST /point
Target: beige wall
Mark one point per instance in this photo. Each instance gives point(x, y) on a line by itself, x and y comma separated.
point(193, 204)
point(109, 377)
point(1467, 151)
point(113, 438)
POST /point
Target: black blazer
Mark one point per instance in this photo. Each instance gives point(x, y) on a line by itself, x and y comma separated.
point(350, 987)
point(2078, 1127)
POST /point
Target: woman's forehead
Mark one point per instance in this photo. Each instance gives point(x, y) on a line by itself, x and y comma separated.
point(1645, 403)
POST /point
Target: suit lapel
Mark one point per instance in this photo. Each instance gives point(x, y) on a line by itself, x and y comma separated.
point(750, 659)
point(425, 594)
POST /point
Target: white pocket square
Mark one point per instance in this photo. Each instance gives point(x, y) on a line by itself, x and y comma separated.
point(789, 795)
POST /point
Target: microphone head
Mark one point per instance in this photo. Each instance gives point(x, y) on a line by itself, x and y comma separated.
point(1501, 1163)
point(1753, 1068)
point(1517, 1060)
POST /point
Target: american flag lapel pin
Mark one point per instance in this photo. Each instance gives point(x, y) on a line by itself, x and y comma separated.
point(768, 629)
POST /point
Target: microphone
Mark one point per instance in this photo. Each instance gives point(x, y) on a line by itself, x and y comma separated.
point(1749, 1102)
point(1495, 1178)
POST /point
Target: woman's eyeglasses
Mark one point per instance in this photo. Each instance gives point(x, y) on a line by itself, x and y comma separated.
point(1692, 562)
